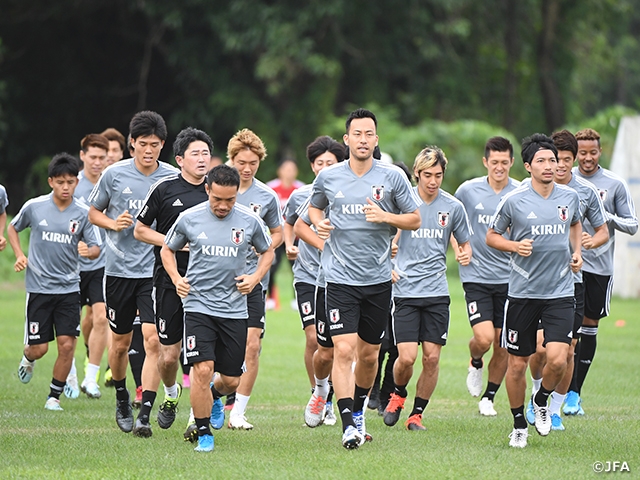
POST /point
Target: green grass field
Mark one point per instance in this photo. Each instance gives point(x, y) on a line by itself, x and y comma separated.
point(84, 441)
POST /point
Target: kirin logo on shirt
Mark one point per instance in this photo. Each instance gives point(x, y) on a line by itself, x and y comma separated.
point(191, 342)
point(256, 207)
point(377, 192)
point(237, 236)
point(443, 219)
point(73, 226)
point(563, 212)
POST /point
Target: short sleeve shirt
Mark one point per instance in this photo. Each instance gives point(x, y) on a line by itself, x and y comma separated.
point(4, 200)
point(81, 193)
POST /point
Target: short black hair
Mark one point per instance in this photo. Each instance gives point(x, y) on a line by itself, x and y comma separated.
point(63, 164)
point(223, 175)
point(406, 170)
point(147, 123)
point(360, 113)
point(565, 140)
point(537, 141)
point(186, 137)
point(325, 144)
point(498, 144)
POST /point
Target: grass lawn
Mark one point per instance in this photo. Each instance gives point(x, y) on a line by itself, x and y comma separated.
point(84, 441)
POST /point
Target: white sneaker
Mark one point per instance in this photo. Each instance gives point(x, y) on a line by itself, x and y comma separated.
point(351, 438)
point(474, 381)
point(71, 389)
point(53, 404)
point(90, 388)
point(239, 422)
point(518, 438)
point(270, 304)
point(294, 305)
point(329, 415)
point(314, 411)
point(543, 419)
point(25, 370)
point(486, 408)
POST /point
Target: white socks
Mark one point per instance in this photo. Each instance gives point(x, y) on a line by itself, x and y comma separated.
point(92, 372)
point(322, 387)
point(556, 403)
point(171, 392)
point(240, 405)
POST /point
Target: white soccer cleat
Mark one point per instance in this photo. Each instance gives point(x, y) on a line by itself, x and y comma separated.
point(25, 370)
point(351, 438)
point(518, 438)
point(543, 419)
point(474, 381)
point(53, 404)
point(486, 408)
point(71, 389)
point(314, 411)
point(329, 415)
point(239, 422)
point(90, 388)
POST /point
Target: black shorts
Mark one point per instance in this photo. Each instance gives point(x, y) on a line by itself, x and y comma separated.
point(323, 334)
point(306, 299)
point(416, 320)
point(256, 308)
point(363, 310)
point(46, 312)
point(125, 297)
point(169, 315)
point(522, 318)
point(91, 287)
point(209, 338)
point(597, 295)
point(578, 294)
point(485, 302)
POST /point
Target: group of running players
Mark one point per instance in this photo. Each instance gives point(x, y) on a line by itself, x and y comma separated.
point(186, 252)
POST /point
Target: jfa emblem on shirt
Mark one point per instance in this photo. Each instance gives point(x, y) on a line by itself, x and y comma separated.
point(162, 324)
point(34, 327)
point(563, 212)
point(334, 315)
point(237, 236)
point(256, 207)
point(377, 192)
point(191, 342)
point(473, 308)
point(111, 313)
point(512, 336)
point(603, 194)
point(443, 219)
point(321, 328)
point(73, 226)
point(306, 308)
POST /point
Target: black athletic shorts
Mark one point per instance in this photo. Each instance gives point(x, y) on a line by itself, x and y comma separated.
point(256, 308)
point(125, 297)
point(485, 302)
point(521, 324)
point(416, 320)
point(597, 295)
point(46, 312)
point(169, 315)
point(306, 299)
point(323, 334)
point(358, 309)
point(91, 287)
point(209, 338)
point(578, 294)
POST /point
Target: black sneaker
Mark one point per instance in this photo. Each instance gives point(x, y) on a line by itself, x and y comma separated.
point(124, 415)
point(374, 397)
point(168, 409)
point(393, 410)
point(142, 428)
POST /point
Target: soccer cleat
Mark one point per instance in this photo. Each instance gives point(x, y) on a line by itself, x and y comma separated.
point(556, 422)
point(231, 399)
point(25, 370)
point(71, 389)
point(314, 411)
point(168, 409)
point(137, 402)
point(518, 438)
point(53, 404)
point(191, 433)
point(186, 381)
point(358, 419)
point(329, 414)
point(108, 378)
point(571, 403)
point(217, 414)
point(142, 428)
point(239, 422)
point(414, 422)
point(474, 381)
point(205, 444)
point(485, 406)
point(351, 438)
point(393, 410)
point(124, 415)
point(542, 420)
point(90, 388)
point(529, 413)
point(374, 397)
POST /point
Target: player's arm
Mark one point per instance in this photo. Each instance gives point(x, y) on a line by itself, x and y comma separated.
point(305, 233)
point(246, 283)
point(600, 237)
point(100, 219)
point(168, 257)
point(404, 221)
point(497, 241)
point(3, 225)
point(14, 241)
point(323, 225)
point(146, 234)
point(458, 251)
point(624, 216)
point(289, 239)
point(575, 238)
point(464, 253)
point(276, 236)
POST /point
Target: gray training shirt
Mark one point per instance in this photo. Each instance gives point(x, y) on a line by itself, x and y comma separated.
point(123, 187)
point(620, 215)
point(4, 202)
point(421, 262)
point(218, 249)
point(546, 272)
point(305, 268)
point(358, 253)
point(82, 192)
point(53, 266)
point(488, 266)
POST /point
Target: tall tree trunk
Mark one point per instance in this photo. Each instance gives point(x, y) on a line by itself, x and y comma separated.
point(551, 96)
point(512, 47)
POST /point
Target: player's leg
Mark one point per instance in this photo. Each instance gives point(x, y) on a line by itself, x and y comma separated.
point(97, 346)
point(201, 402)
point(305, 298)
point(38, 332)
point(536, 366)
point(480, 343)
